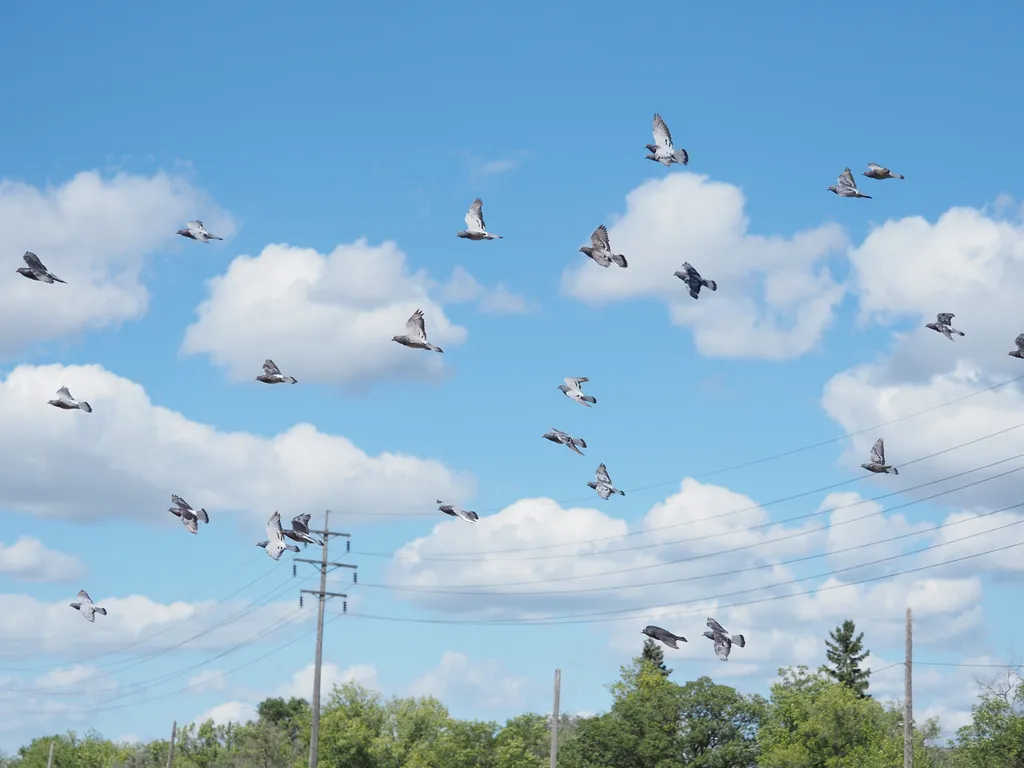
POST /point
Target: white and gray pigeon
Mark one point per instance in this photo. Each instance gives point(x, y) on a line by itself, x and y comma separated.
point(693, 280)
point(600, 249)
point(570, 442)
point(846, 186)
point(944, 325)
point(723, 640)
point(416, 334)
point(1019, 351)
point(662, 150)
point(876, 171)
point(300, 530)
point(194, 230)
point(275, 543)
point(877, 463)
point(66, 402)
point(573, 389)
point(272, 374)
point(455, 511)
point(475, 227)
point(604, 486)
point(189, 517)
point(85, 606)
point(663, 635)
point(36, 270)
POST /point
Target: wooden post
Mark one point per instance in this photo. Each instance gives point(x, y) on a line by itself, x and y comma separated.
point(174, 736)
point(49, 760)
point(554, 719)
point(908, 695)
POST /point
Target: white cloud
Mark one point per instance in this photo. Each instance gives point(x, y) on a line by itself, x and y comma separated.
point(28, 560)
point(129, 455)
point(228, 712)
point(301, 683)
point(92, 232)
point(206, 680)
point(775, 295)
point(482, 684)
point(499, 166)
point(462, 287)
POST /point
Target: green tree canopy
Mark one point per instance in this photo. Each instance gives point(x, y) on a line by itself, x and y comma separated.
point(845, 653)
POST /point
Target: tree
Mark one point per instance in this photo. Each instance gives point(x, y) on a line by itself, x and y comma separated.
point(719, 725)
point(995, 736)
point(654, 654)
point(846, 653)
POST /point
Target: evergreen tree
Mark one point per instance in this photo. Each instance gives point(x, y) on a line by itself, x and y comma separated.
point(652, 653)
point(845, 653)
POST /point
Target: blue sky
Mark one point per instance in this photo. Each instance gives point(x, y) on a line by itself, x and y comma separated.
point(370, 131)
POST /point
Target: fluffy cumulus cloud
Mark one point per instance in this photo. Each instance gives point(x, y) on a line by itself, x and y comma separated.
point(129, 455)
point(484, 684)
point(292, 303)
point(28, 560)
point(775, 294)
point(94, 232)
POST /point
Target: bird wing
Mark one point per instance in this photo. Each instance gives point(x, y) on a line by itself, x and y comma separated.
point(722, 648)
point(662, 137)
point(878, 452)
point(475, 217)
point(691, 273)
point(191, 522)
point(599, 239)
point(301, 522)
point(83, 596)
point(415, 326)
point(575, 383)
point(274, 530)
point(1019, 341)
point(714, 626)
point(201, 227)
point(270, 368)
point(602, 475)
point(846, 179)
point(195, 225)
point(33, 261)
point(65, 394)
point(180, 502)
point(878, 168)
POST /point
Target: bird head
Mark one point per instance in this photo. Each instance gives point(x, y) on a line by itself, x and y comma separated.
point(865, 466)
point(76, 606)
point(395, 338)
point(833, 190)
point(564, 388)
point(709, 634)
point(584, 249)
point(262, 544)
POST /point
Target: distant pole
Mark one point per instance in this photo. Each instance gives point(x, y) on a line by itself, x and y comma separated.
point(554, 720)
point(908, 695)
point(49, 760)
point(174, 736)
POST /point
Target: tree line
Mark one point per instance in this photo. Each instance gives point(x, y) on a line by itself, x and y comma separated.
point(823, 718)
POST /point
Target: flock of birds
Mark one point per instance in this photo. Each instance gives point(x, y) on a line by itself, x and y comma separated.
point(600, 251)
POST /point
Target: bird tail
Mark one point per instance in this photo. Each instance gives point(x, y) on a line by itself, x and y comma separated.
point(291, 547)
point(681, 156)
point(680, 637)
point(898, 176)
point(291, 379)
point(711, 285)
point(868, 197)
point(581, 442)
point(589, 399)
point(739, 640)
point(85, 407)
point(619, 259)
point(101, 611)
point(201, 514)
point(432, 348)
point(895, 471)
point(621, 493)
point(58, 280)
point(958, 333)
point(214, 237)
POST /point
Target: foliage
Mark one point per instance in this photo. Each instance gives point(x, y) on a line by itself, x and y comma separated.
point(995, 736)
point(846, 652)
point(655, 654)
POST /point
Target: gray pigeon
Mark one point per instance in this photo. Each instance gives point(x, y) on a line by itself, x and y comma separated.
point(475, 227)
point(573, 390)
point(36, 270)
point(846, 186)
point(693, 280)
point(600, 249)
point(272, 374)
point(570, 442)
point(416, 333)
point(657, 633)
point(1019, 342)
point(722, 639)
point(87, 607)
point(66, 402)
point(604, 486)
point(275, 543)
point(944, 325)
point(455, 511)
point(876, 171)
point(194, 230)
point(300, 530)
point(661, 150)
point(189, 517)
point(877, 464)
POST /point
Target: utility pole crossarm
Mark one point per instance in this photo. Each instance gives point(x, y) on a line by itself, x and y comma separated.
point(325, 594)
point(322, 563)
point(330, 533)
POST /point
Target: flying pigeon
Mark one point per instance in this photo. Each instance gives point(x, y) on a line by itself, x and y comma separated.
point(604, 486)
point(189, 517)
point(661, 150)
point(475, 227)
point(87, 607)
point(1019, 341)
point(570, 442)
point(300, 530)
point(657, 633)
point(572, 390)
point(272, 374)
point(722, 639)
point(600, 250)
point(196, 231)
point(693, 280)
point(416, 334)
point(944, 325)
point(450, 509)
point(875, 171)
point(66, 402)
point(275, 543)
point(36, 270)
point(846, 186)
point(878, 464)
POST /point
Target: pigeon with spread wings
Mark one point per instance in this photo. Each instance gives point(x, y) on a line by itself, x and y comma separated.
point(603, 484)
point(877, 463)
point(416, 334)
point(944, 325)
point(570, 442)
point(66, 402)
point(36, 270)
point(573, 389)
point(1019, 351)
point(300, 530)
point(476, 229)
point(845, 186)
point(275, 543)
point(694, 281)
point(272, 374)
point(194, 230)
point(876, 171)
point(723, 640)
point(600, 249)
point(190, 518)
point(662, 150)
point(456, 511)
point(87, 607)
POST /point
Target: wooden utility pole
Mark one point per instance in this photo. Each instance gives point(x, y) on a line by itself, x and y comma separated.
point(908, 695)
point(49, 760)
point(554, 719)
point(322, 595)
point(174, 737)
